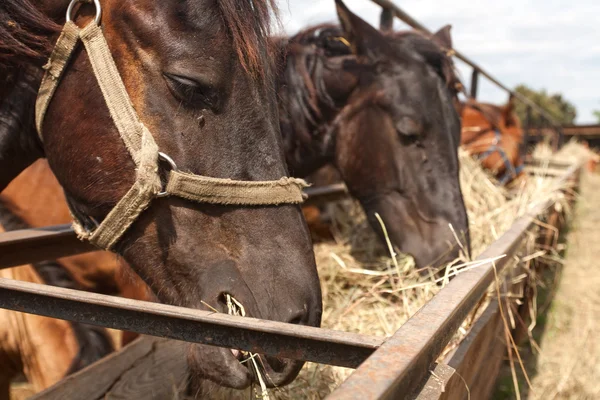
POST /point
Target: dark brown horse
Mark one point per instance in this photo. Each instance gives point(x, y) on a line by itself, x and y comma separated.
point(198, 74)
point(494, 135)
point(380, 107)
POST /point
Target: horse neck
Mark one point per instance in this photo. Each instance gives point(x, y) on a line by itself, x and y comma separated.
point(42, 347)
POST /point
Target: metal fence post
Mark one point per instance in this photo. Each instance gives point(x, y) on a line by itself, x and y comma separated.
point(474, 83)
point(526, 135)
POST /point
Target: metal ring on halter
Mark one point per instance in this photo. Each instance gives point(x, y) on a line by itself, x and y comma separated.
point(169, 160)
point(96, 4)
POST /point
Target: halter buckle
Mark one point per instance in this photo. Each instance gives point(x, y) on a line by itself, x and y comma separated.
point(168, 160)
point(96, 4)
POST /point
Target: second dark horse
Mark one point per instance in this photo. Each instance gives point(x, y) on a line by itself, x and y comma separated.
point(380, 108)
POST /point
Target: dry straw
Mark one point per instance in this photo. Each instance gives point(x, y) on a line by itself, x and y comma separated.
point(367, 291)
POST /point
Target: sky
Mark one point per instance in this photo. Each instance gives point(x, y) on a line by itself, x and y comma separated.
point(545, 44)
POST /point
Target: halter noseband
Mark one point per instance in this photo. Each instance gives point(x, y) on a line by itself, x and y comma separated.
point(141, 144)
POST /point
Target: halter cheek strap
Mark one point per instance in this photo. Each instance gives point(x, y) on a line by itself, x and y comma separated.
point(142, 147)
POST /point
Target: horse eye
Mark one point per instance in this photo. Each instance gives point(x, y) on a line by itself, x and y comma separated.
point(408, 126)
point(191, 92)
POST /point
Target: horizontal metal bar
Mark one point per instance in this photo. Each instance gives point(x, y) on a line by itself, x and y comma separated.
point(325, 194)
point(582, 130)
point(190, 325)
point(541, 163)
point(39, 244)
point(407, 19)
point(402, 363)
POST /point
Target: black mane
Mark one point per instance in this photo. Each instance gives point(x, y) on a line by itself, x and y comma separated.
point(94, 342)
point(25, 34)
point(303, 97)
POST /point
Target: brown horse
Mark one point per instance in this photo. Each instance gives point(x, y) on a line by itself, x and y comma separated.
point(198, 74)
point(36, 197)
point(380, 108)
point(494, 135)
point(45, 350)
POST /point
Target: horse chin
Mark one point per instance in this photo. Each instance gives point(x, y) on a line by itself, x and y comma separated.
point(429, 241)
point(218, 365)
point(222, 366)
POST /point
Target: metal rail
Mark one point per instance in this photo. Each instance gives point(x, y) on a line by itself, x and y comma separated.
point(583, 131)
point(39, 244)
point(325, 194)
point(403, 362)
point(258, 336)
point(407, 19)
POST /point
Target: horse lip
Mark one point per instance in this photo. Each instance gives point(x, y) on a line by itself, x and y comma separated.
point(220, 365)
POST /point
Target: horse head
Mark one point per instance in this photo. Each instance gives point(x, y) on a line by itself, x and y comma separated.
point(397, 140)
point(198, 79)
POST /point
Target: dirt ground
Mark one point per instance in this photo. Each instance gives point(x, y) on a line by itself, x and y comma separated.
point(568, 366)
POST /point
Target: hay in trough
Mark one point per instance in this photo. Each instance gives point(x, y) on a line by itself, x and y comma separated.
point(368, 292)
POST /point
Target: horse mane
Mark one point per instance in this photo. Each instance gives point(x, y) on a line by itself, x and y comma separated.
point(302, 89)
point(249, 23)
point(25, 33)
point(438, 58)
point(94, 342)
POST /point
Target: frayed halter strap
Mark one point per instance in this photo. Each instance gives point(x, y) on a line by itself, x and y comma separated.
point(141, 144)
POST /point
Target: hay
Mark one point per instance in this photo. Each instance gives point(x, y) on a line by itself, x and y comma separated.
point(365, 291)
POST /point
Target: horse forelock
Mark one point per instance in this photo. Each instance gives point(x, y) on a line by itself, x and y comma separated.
point(249, 23)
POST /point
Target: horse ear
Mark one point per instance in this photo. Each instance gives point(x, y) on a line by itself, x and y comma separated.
point(443, 38)
point(386, 21)
point(364, 39)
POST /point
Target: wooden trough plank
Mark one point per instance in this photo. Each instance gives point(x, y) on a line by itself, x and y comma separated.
point(39, 244)
point(149, 368)
point(459, 374)
point(258, 336)
point(402, 363)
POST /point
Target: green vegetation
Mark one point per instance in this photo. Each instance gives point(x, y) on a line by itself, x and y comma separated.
point(555, 104)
